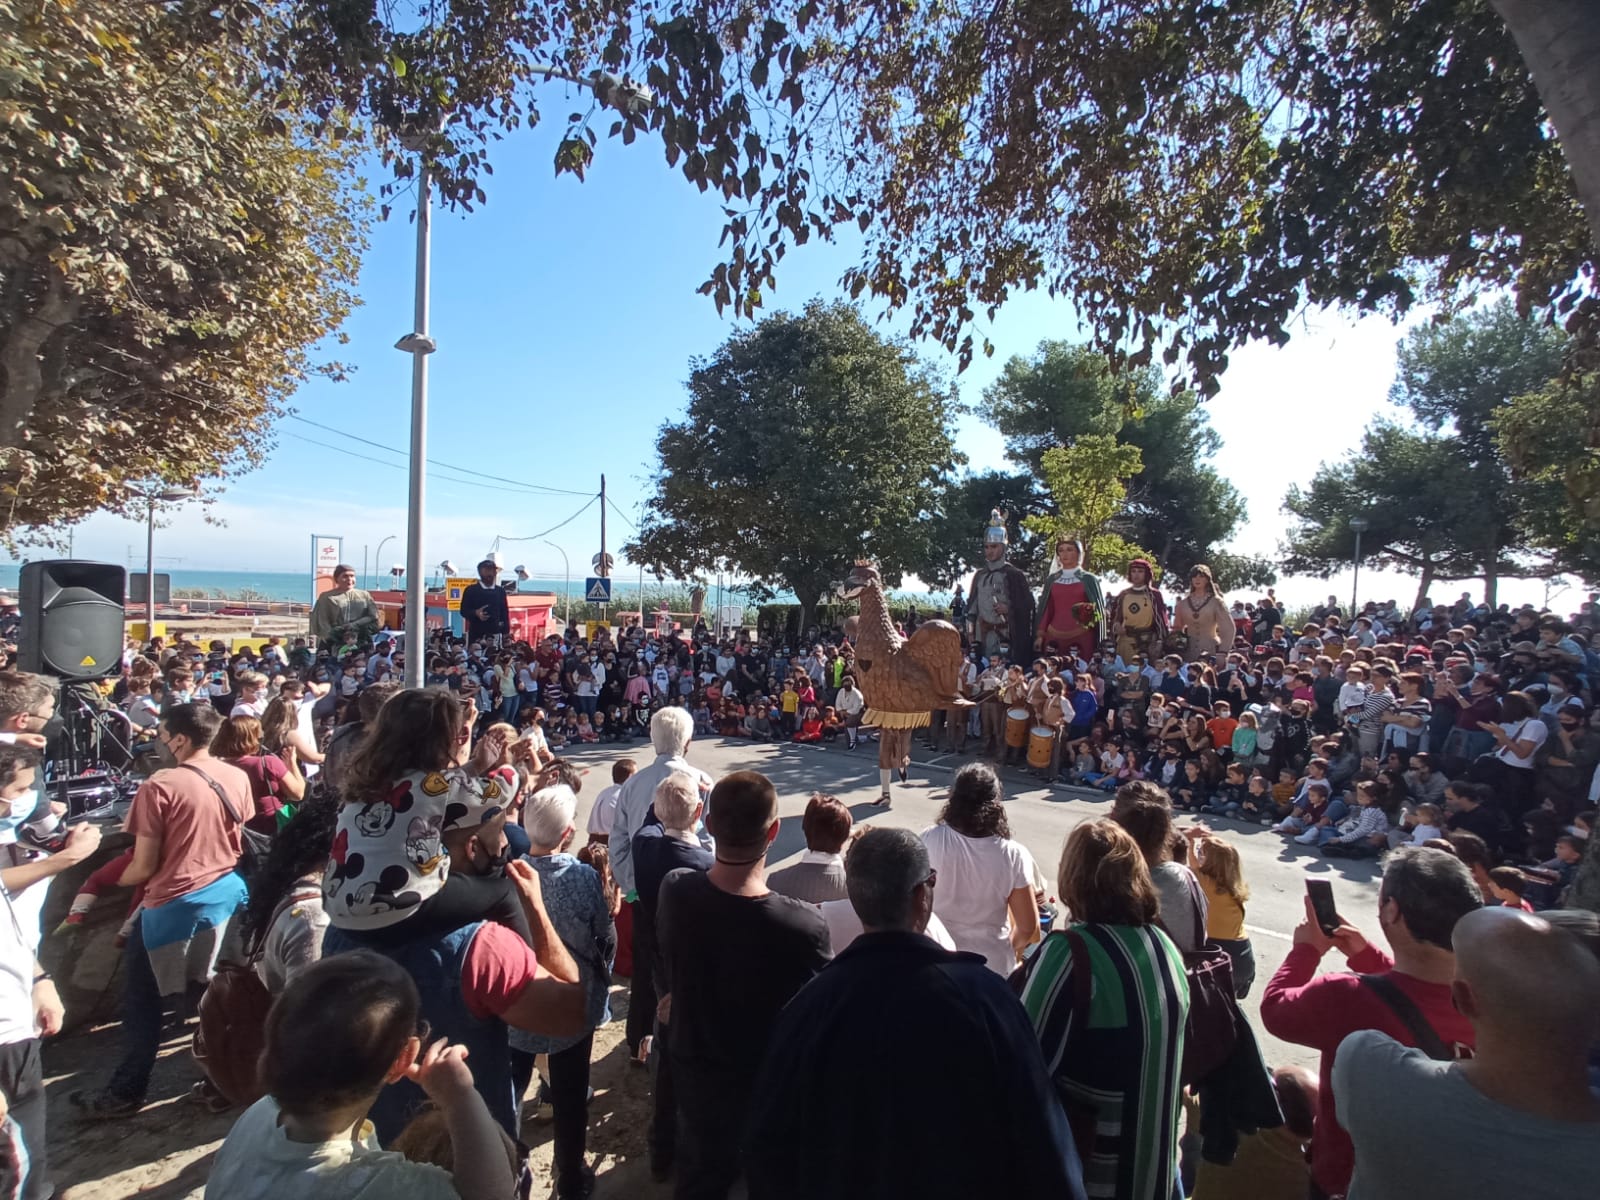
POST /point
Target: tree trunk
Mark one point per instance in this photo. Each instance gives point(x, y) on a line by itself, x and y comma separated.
point(1423, 585)
point(1560, 43)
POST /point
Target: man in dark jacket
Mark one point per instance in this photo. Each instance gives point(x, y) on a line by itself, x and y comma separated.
point(484, 607)
point(666, 842)
point(887, 1024)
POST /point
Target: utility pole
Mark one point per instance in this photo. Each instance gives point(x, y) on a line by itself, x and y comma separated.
point(604, 569)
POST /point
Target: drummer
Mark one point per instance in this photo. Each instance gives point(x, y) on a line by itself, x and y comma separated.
point(1038, 690)
point(1015, 696)
point(1055, 716)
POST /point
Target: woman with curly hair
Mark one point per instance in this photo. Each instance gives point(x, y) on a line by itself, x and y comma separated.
point(984, 893)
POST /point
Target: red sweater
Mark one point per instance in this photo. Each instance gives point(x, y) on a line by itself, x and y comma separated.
point(1314, 1010)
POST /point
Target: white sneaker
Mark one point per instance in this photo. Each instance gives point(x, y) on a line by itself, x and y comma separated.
point(1308, 838)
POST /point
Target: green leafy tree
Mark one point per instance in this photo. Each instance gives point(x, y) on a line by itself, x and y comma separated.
point(809, 440)
point(1191, 175)
point(1176, 503)
point(1424, 514)
point(1087, 483)
point(955, 529)
point(170, 251)
point(1551, 439)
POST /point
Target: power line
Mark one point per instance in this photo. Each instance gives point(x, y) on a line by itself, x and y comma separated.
point(537, 487)
point(536, 536)
point(616, 508)
point(472, 483)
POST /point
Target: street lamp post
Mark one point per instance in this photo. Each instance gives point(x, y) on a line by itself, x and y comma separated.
point(609, 89)
point(1358, 526)
point(377, 558)
point(153, 495)
point(566, 571)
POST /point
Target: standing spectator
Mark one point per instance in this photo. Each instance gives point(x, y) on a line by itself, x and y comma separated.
point(1108, 999)
point(1516, 1119)
point(344, 613)
point(658, 850)
point(1517, 739)
point(605, 804)
point(1010, 1137)
point(1564, 765)
point(733, 954)
point(1423, 894)
point(1216, 867)
point(576, 903)
point(340, 1032)
point(30, 1010)
point(185, 823)
point(819, 875)
point(671, 730)
point(484, 607)
point(1183, 905)
point(986, 899)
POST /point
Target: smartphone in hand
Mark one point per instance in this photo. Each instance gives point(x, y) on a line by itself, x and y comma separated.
point(1321, 893)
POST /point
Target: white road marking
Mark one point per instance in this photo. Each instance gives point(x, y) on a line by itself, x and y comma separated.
point(1271, 933)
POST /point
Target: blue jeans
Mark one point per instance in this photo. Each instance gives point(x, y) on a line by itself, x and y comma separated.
point(142, 1016)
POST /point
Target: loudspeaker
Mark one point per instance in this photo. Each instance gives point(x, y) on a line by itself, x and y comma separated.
point(72, 623)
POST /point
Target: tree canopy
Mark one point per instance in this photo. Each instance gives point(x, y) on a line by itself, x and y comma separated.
point(170, 250)
point(1440, 495)
point(1190, 175)
point(1087, 482)
point(809, 440)
point(1174, 502)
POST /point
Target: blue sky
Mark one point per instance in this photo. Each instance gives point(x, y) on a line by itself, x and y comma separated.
point(566, 315)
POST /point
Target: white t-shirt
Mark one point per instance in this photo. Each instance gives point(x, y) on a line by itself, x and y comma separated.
point(976, 878)
point(306, 726)
point(1533, 730)
point(259, 1162)
point(248, 708)
point(844, 926)
point(605, 808)
point(16, 973)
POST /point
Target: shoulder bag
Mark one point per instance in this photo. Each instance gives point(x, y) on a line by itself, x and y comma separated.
point(1211, 1030)
point(253, 846)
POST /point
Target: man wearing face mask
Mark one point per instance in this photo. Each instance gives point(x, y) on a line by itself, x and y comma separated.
point(30, 1010)
point(1564, 764)
point(28, 719)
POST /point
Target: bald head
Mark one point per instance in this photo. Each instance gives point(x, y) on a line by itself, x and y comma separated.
point(1527, 977)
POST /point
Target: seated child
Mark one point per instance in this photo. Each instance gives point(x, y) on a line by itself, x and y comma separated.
point(1365, 834)
point(702, 717)
point(1308, 810)
point(1419, 825)
point(586, 731)
point(810, 726)
point(309, 1135)
point(831, 725)
point(1508, 884)
point(1192, 791)
point(1569, 853)
point(1258, 807)
point(1283, 792)
point(1228, 799)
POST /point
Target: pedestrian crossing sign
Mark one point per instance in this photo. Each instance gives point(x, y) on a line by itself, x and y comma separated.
point(597, 590)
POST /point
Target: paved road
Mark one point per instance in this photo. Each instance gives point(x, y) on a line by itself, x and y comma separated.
point(1041, 818)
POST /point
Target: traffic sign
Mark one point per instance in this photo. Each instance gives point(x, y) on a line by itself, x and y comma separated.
point(597, 590)
point(453, 588)
point(603, 563)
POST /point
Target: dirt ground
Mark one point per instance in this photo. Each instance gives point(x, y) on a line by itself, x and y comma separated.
point(165, 1151)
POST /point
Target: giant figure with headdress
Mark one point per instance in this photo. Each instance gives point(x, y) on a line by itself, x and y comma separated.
point(1001, 602)
point(1072, 608)
point(1138, 615)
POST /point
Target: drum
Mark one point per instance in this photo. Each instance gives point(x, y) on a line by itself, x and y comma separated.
point(1040, 743)
point(1016, 727)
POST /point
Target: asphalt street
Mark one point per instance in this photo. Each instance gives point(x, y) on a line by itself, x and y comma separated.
point(1274, 867)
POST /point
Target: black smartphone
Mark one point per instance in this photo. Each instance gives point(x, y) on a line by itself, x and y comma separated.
point(1321, 893)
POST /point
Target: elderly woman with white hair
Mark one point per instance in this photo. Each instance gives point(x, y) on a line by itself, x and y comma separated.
point(670, 732)
point(576, 902)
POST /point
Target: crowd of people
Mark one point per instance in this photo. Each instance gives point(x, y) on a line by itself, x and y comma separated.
point(400, 875)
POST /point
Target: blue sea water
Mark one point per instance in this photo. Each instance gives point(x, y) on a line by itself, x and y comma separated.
point(296, 585)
